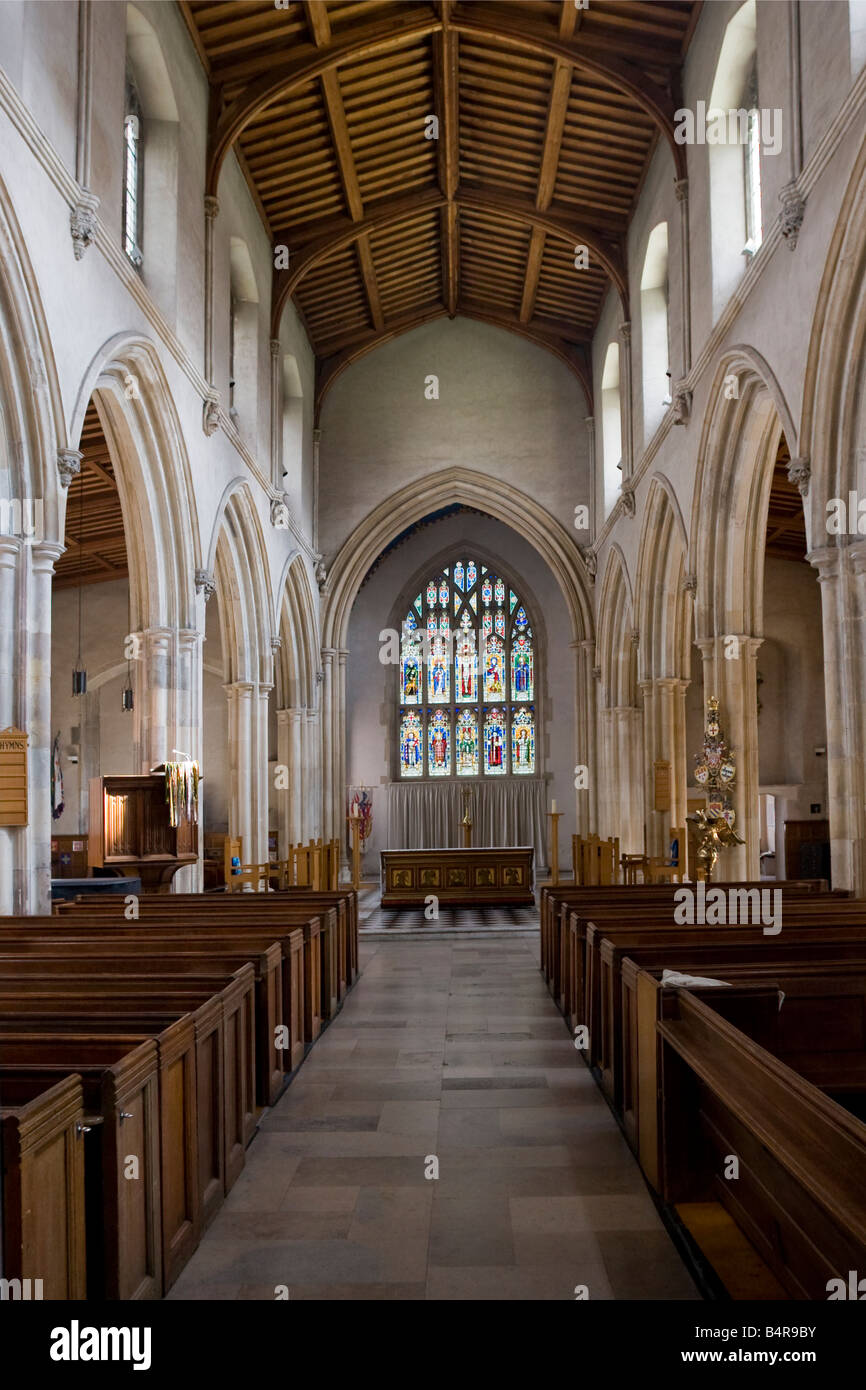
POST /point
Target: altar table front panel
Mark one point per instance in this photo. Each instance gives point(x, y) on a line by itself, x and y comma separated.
point(478, 877)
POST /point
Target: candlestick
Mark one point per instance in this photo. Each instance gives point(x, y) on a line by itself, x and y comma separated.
point(554, 846)
point(553, 806)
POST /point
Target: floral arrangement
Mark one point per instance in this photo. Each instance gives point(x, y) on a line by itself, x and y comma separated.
point(181, 791)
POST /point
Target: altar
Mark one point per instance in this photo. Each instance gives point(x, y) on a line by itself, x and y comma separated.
point(478, 877)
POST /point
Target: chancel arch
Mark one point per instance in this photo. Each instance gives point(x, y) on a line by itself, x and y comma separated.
point(502, 502)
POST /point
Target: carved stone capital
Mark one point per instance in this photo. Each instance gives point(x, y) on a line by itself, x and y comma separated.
point(682, 405)
point(799, 473)
point(596, 673)
point(205, 583)
point(590, 560)
point(211, 414)
point(276, 642)
point(275, 346)
point(317, 436)
point(628, 502)
point(211, 206)
point(82, 222)
point(320, 572)
point(625, 331)
point(681, 190)
point(281, 516)
point(793, 211)
point(690, 584)
point(68, 465)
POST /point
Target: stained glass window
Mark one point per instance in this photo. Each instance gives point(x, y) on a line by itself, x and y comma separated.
point(523, 741)
point(467, 678)
point(495, 750)
point(467, 743)
point(411, 761)
point(439, 743)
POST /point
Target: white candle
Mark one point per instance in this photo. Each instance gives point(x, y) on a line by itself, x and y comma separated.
point(553, 807)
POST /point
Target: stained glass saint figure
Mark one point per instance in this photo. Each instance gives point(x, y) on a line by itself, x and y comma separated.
point(523, 742)
point(439, 738)
point(410, 746)
point(467, 743)
point(494, 742)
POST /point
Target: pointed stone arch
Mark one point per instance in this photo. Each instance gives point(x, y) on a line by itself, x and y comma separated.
point(387, 521)
point(666, 624)
point(33, 447)
point(241, 578)
point(736, 456)
point(832, 450)
point(620, 795)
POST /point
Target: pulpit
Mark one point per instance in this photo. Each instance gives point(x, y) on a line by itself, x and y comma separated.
point(131, 830)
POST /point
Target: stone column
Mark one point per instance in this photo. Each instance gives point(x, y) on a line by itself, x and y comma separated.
point(681, 189)
point(629, 788)
point(843, 663)
point(339, 822)
point(240, 736)
point(211, 211)
point(260, 773)
point(276, 415)
point(283, 795)
point(26, 572)
point(733, 680)
point(586, 801)
point(328, 750)
point(625, 401)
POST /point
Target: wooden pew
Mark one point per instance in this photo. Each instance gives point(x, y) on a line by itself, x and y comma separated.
point(107, 955)
point(225, 1054)
point(137, 1237)
point(799, 1196)
point(42, 1138)
point(833, 982)
point(229, 930)
point(713, 945)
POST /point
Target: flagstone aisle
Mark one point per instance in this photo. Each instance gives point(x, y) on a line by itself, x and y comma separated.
point(451, 1049)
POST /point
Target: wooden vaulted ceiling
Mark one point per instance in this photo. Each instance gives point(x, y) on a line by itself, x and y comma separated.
point(548, 115)
point(786, 523)
point(95, 540)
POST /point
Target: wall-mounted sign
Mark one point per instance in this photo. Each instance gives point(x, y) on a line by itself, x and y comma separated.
point(13, 777)
point(661, 786)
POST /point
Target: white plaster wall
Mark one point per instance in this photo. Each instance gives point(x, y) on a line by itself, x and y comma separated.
point(373, 686)
point(505, 407)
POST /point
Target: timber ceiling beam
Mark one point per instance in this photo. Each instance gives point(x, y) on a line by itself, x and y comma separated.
point(520, 211)
point(375, 37)
point(320, 28)
point(446, 93)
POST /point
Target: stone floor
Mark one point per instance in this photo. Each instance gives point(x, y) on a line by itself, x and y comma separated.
point(447, 1052)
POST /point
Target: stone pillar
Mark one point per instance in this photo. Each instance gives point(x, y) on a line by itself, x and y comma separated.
point(260, 772)
point(843, 663)
point(681, 189)
point(733, 680)
point(586, 801)
point(284, 794)
point(625, 401)
point(627, 723)
point(211, 210)
point(26, 573)
point(328, 654)
point(276, 415)
point(240, 730)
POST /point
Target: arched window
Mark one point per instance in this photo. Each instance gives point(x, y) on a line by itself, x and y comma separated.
point(293, 422)
point(611, 427)
point(243, 339)
point(734, 148)
point(133, 168)
point(467, 678)
point(654, 329)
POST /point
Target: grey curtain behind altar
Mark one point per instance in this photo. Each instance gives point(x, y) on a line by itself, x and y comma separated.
point(427, 815)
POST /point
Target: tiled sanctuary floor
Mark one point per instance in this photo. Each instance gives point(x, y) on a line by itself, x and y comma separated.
point(453, 1050)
